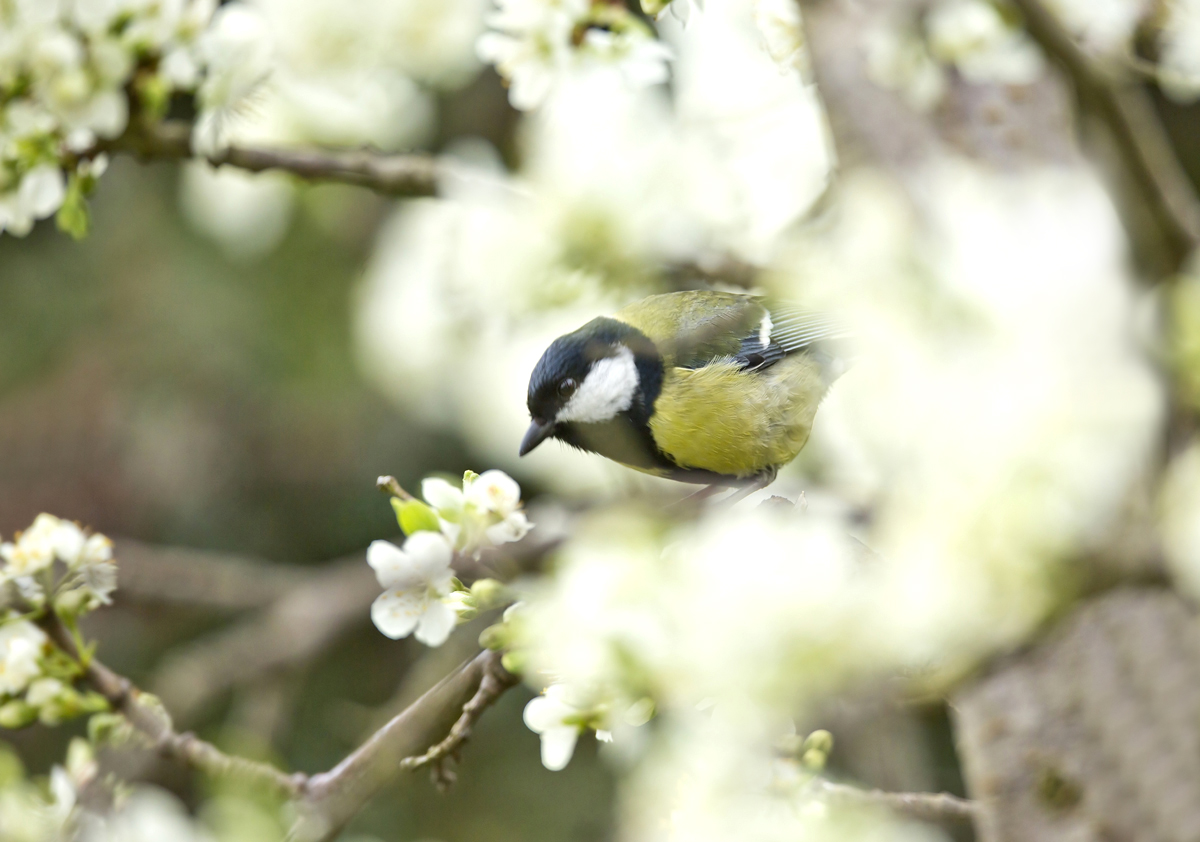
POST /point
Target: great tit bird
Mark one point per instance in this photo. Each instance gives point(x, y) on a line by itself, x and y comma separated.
point(702, 386)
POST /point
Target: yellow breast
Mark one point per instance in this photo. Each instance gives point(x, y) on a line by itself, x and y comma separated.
point(720, 418)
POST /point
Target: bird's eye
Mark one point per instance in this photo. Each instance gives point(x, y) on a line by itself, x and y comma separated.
point(567, 388)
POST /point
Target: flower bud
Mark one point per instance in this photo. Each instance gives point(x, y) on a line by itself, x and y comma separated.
point(17, 714)
point(488, 593)
point(494, 637)
point(72, 603)
point(819, 740)
point(813, 760)
point(514, 662)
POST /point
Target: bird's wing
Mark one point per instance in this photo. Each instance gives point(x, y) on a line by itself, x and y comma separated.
point(697, 328)
point(786, 330)
point(693, 328)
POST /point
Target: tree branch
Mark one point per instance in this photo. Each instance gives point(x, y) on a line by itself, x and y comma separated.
point(332, 798)
point(152, 721)
point(325, 801)
point(494, 681)
point(412, 174)
point(1128, 114)
point(922, 806)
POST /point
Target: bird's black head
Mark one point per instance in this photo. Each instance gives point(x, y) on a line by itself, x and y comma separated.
point(590, 376)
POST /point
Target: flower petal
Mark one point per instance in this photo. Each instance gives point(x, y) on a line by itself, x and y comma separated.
point(436, 623)
point(441, 494)
point(396, 613)
point(513, 528)
point(544, 713)
point(393, 568)
point(429, 555)
point(495, 491)
point(558, 744)
point(42, 190)
point(68, 542)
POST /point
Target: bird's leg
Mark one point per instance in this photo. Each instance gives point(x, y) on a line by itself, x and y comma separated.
point(758, 483)
point(698, 496)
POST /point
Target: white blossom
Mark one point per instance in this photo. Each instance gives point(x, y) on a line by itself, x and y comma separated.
point(555, 718)
point(513, 527)
point(536, 43)
point(782, 34)
point(684, 10)
point(1179, 65)
point(417, 580)
point(974, 36)
point(494, 491)
point(486, 508)
point(443, 496)
point(148, 814)
point(87, 559)
point(35, 548)
point(237, 52)
point(21, 645)
point(898, 59)
point(1105, 26)
point(73, 62)
point(44, 691)
point(38, 195)
point(98, 579)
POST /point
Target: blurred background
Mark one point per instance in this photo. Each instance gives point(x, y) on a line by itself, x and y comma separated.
point(161, 388)
point(217, 374)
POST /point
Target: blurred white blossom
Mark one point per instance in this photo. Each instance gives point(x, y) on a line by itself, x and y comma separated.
point(417, 580)
point(327, 72)
point(34, 549)
point(1179, 65)
point(147, 814)
point(21, 650)
point(783, 36)
point(237, 51)
point(535, 43)
point(246, 214)
point(65, 71)
point(898, 59)
point(1106, 26)
point(558, 720)
point(974, 36)
point(90, 574)
point(38, 195)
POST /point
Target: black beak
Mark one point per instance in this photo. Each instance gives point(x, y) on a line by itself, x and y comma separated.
point(537, 433)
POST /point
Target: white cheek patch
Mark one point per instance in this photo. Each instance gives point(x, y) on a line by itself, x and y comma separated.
point(608, 389)
point(764, 332)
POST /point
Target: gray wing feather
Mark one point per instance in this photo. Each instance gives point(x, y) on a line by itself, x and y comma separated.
point(790, 331)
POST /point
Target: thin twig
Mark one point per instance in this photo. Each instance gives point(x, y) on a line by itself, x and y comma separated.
point(152, 721)
point(411, 174)
point(324, 801)
point(922, 806)
point(391, 485)
point(495, 680)
point(1136, 131)
point(332, 798)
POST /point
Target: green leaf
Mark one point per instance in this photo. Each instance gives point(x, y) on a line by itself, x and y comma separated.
point(415, 516)
point(73, 217)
